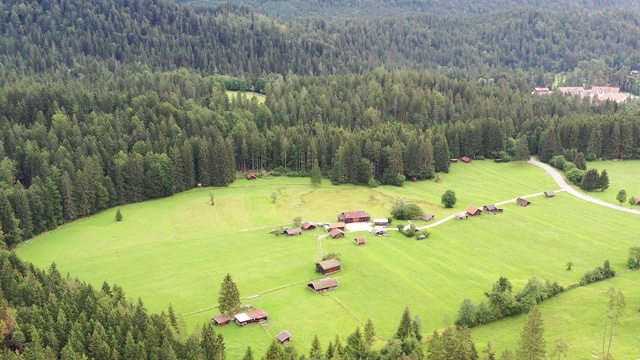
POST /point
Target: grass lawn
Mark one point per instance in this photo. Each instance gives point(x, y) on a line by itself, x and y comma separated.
point(623, 175)
point(177, 250)
point(248, 95)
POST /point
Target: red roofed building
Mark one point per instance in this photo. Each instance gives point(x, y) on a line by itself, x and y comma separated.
point(473, 211)
point(604, 90)
point(360, 241)
point(465, 159)
point(354, 216)
point(251, 317)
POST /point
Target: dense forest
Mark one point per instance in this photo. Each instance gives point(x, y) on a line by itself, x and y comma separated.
point(105, 103)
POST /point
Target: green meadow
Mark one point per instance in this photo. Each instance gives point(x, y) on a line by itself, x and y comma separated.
point(232, 95)
point(623, 175)
point(177, 250)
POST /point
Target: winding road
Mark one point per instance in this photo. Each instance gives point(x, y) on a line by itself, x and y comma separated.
point(568, 188)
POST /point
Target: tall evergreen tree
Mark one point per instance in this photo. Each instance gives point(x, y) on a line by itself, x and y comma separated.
point(590, 181)
point(10, 224)
point(274, 352)
point(441, 154)
point(549, 147)
point(603, 181)
point(531, 345)
point(229, 297)
point(369, 333)
point(522, 148)
point(580, 162)
point(405, 329)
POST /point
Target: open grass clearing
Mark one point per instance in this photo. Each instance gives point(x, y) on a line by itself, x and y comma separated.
point(233, 95)
point(177, 250)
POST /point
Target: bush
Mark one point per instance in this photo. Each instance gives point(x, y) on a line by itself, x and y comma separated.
point(404, 211)
point(633, 262)
point(373, 183)
point(568, 166)
point(598, 274)
point(422, 234)
point(557, 162)
point(575, 175)
point(479, 157)
point(570, 154)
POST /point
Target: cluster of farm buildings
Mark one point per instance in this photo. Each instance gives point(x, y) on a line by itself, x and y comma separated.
point(597, 93)
point(493, 209)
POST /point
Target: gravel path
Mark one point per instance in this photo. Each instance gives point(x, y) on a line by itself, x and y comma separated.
point(568, 188)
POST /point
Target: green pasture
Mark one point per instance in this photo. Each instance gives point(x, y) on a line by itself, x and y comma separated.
point(232, 95)
point(177, 250)
point(622, 175)
point(577, 317)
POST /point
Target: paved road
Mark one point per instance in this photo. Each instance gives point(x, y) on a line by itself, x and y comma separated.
point(568, 188)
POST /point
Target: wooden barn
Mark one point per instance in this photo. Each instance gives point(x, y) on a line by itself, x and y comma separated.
point(354, 216)
point(549, 194)
point(523, 202)
point(465, 159)
point(425, 217)
point(360, 241)
point(379, 231)
point(339, 226)
point(329, 266)
point(308, 226)
point(473, 211)
point(293, 231)
point(283, 337)
point(492, 209)
point(454, 160)
point(381, 222)
point(323, 285)
point(461, 216)
point(336, 233)
point(221, 320)
point(251, 176)
point(497, 161)
point(637, 201)
point(251, 317)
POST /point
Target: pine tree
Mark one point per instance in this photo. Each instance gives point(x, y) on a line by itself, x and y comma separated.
point(274, 352)
point(590, 181)
point(369, 333)
point(229, 298)
point(522, 148)
point(316, 349)
point(248, 355)
point(118, 215)
point(405, 329)
point(549, 147)
point(356, 347)
point(315, 174)
point(532, 345)
point(603, 181)
point(441, 154)
point(580, 162)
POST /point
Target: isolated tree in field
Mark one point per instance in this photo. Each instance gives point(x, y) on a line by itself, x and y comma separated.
point(531, 345)
point(522, 149)
point(229, 298)
point(621, 197)
point(448, 199)
point(580, 162)
point(617, 307)
point(632, 201)
point(118, 215)
point(274, 197)
point(297, 221)
point(211, 198)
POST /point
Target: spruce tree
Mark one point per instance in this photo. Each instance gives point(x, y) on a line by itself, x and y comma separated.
point(590, 181)
point(441, 154)
point(274, 352)
point(580, 162)
point(316, 349)
point(405, 329)
point(531, 345)
point(603, 181)
point(229, 297)
point(369, 333)
point(549, 147)
point(522, 148)
point(249, 354)
point(118, 215)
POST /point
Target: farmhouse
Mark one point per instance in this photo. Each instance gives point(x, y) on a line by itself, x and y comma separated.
point(379, 231)
point(473, 211)
point(492, 209)
point(251, 176)
point(465, 159)
point(339, 226)
point(221, 320)
point(328, 266)
point(381, 222)
point(336, 233)
point(522, 202)
point(283, 337)
point(251, 317)
point(308, 226)
point(354, 216)
point(549, 194)
point(323, 285)
point(461, 216)
point(360, 241)
point(293, 231)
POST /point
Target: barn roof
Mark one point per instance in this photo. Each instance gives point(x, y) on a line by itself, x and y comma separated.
point(336, 232)
point(293, 231)
point(522, 201)
point(258, 313)
point(353, 215)
point(307, 225)
point(221, 318)
point(472, 209)
point(337, 225)
point(242, 317)
point(283, 336)
point(324, 284)
point(329, 264)
point(491, 207)
point(361, 240)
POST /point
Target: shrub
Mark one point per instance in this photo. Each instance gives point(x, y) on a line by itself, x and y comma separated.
point(419, 235)
point(598, 274)
point(403, 211)
point(568, 166)
point(575, 176)
point(479, 157)
point(557, 162)
point(373, 183)
point(633, 262)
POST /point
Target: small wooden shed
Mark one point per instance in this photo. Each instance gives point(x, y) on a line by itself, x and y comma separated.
point(461, 216)
point(323, 285)
point(523, 202)
point(360, 241)
point(293, 231)
point(251, 176)
point(473, 211)
point(308, 226)
point(492, 209)
point(379, 231)
point(283, 337)
point(454, 160)
point(221, 320)
point(381, 222)
point(549, 194)
point(465, 159)
point(339, 226)
point(497, 161)
point(336, 233)
point(330, 266)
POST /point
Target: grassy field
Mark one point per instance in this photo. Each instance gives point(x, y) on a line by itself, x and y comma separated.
point(177, 250)
point(622, 175)
point(249, 95)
